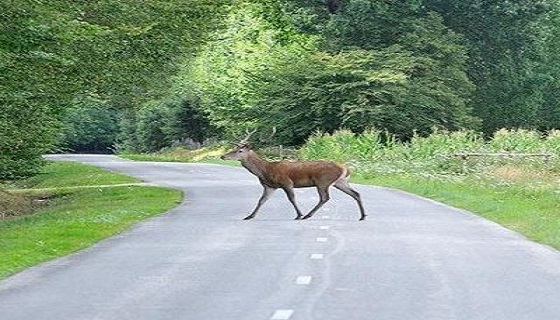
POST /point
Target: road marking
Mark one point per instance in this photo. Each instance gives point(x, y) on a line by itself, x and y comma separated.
point(325, 217)
point(305, 280)
point(324, 227)
point(316, 256)
point(283, 314)
point(321, 239)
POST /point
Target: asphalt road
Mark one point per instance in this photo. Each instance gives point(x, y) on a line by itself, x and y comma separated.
point(412, 259)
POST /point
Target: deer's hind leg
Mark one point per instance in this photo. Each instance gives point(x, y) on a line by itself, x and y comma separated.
point(343, 185)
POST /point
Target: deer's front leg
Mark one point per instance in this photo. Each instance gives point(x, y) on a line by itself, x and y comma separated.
point(267, 192)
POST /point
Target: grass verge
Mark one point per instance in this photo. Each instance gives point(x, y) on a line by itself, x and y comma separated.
point(531, 211)
point(71, 174)
point(78, 217)
point(179, 154)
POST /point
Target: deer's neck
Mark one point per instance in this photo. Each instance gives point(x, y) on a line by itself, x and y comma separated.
point(256, 165)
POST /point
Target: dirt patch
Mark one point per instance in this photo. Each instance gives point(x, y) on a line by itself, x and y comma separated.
point(520, 174)
point(16, 204)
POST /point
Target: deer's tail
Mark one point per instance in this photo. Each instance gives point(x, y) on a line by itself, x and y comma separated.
point(345, 172)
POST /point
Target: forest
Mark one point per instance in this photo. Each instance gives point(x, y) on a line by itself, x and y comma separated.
point(115, 76)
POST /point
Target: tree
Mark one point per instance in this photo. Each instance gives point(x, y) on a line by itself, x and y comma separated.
point(91, 126)
point(549, 72)
point(505, 47)
point(360, 89)
point(222, 74)
point(186, 121)
point(260, 72)
point(53, 51)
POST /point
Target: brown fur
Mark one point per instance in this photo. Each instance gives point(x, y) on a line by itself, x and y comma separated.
point(295, 174)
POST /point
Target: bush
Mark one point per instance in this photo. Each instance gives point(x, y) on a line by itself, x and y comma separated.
point(26, 133)
point(375, 152)
point(149, 131)
point(91, 126)
point(517, 140)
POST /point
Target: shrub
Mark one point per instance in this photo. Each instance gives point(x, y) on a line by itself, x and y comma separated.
point(374, 152)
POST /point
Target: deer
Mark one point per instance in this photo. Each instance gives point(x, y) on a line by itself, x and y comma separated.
point(287, 175)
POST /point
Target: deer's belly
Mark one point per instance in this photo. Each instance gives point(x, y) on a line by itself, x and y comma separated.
point(295, 184)
point(304, 184)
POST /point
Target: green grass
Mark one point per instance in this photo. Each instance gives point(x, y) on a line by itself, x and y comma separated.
point(179, 154)
point(76, 218)
point(533, 212)
point(72, 174)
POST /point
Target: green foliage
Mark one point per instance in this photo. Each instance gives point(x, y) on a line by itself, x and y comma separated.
point(26, 132)
point(506, 51)
point(179, 71)
point(549, 72)
point(177, 121)
point(149, 130)
point(91, 126)
point(256, 73)
point(53, 52)
point(223, 73)
point(126, 137)
point(185, 121)
point(390, 89)
point(377, 152)
point(518, 140)
point(553, 141)
point(372, 24)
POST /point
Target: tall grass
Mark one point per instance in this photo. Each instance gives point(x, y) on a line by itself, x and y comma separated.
point(377, 152)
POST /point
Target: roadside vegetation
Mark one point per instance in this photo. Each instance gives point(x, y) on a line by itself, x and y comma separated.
point(67, 207)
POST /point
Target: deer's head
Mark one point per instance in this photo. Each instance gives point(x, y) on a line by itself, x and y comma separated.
point(241, 152)
point(243, 149)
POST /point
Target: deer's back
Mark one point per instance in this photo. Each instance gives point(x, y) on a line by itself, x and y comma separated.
point(305, 173)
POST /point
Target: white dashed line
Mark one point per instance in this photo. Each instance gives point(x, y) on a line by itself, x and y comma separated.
point(321, 239)
point(316, 256)
point(304, 280)
point(324, 227)
point(285, 314)
point(325, 217)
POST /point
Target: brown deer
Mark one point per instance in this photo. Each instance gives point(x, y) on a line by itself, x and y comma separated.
point(288, 175)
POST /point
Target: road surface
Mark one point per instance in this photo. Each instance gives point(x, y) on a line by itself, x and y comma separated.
point(412, 259)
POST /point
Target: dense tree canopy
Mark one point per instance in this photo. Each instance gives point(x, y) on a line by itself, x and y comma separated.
point(124, 75)
point(54, 52)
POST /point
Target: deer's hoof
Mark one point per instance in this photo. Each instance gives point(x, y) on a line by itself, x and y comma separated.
point(298, 218)
point(362, 218)
point(248, 218)
point(305, 217)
